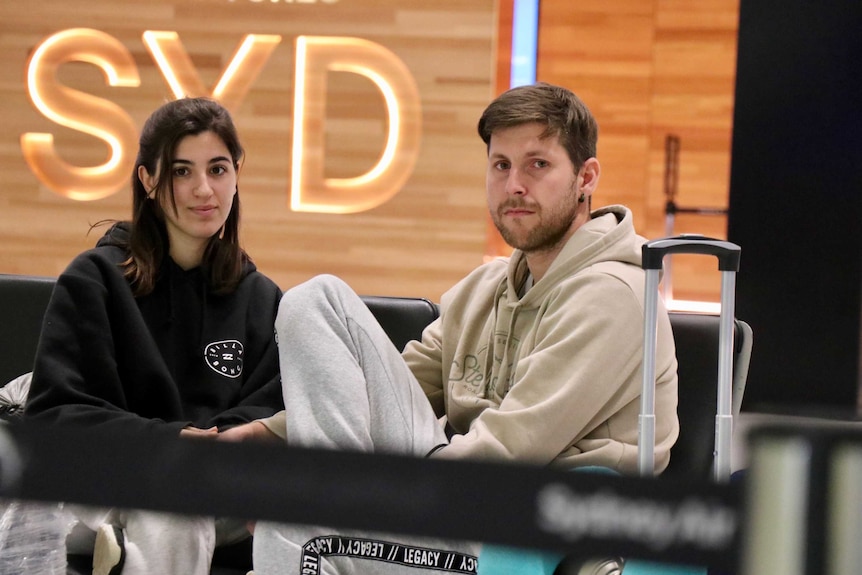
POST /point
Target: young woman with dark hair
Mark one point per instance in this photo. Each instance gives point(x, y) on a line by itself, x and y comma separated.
point(165, 327)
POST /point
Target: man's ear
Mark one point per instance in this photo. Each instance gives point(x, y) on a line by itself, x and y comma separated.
point(589, 176)
point(147, 180)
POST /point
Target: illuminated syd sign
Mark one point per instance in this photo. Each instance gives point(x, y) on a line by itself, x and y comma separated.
point(315, 57)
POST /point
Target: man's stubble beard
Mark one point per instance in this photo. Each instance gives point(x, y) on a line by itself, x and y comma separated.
point(548, 234)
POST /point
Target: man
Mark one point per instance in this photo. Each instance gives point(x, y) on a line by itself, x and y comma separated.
point(535, 358)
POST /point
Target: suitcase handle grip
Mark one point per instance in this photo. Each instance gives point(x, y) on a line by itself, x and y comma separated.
point(653, 252)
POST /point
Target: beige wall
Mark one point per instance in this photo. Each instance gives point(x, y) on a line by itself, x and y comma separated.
point(646, 69)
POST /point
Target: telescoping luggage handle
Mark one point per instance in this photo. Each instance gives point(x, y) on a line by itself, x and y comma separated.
point(653, 253)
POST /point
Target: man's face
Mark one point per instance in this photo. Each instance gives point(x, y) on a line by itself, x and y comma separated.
point(531, 188)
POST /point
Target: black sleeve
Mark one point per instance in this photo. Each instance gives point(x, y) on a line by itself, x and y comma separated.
point(76, 375)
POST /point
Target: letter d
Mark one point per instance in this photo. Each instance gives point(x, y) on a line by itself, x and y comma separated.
point(310, 191)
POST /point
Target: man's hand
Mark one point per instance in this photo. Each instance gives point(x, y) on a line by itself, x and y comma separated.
point(252, 431)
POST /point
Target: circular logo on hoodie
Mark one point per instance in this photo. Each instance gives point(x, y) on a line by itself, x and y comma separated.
point(225, 357)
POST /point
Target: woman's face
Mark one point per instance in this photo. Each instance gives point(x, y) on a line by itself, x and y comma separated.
point(204, 182)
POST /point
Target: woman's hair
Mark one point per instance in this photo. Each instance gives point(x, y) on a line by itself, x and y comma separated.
point(564, 114)
point(148, 244)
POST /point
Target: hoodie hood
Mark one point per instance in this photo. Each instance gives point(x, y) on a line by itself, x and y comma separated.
point(119, 235)
point(609, 236)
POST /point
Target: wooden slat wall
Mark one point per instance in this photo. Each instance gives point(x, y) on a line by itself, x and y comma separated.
point(694, 63)
point(418, 243)
point(646, 69)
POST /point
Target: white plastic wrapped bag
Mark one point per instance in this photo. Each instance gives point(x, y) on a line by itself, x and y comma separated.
point(33, 537)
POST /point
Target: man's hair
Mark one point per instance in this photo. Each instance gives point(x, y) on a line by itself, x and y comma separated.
point(148, 241)
point(564, 114)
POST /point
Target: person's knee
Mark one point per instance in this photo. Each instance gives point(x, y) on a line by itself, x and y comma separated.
point(308, 296)
point(327, 284)
point(323, 286)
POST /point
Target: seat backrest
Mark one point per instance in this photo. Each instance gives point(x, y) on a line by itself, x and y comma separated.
point(402, 318)
point(23, 300)
point(696, 337)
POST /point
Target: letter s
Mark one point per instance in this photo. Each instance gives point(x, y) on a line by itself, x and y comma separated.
point(82, 112)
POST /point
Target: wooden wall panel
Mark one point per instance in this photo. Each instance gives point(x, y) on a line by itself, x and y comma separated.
point(418, 243)
point(694, 72)
point(648, 69)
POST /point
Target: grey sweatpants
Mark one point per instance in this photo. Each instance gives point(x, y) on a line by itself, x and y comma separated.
point(346, 387)
point(156, 542)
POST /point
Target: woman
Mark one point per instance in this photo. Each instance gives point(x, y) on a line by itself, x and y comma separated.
point(165, 327)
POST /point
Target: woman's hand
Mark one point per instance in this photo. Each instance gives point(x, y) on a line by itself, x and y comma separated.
point(252, 431)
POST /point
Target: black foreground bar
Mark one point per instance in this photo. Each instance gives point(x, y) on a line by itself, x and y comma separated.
point(667, 520)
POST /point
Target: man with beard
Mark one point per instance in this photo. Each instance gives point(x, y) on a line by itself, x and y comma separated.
point(535, 358)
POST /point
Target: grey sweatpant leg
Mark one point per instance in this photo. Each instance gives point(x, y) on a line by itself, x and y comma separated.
point(346, 387)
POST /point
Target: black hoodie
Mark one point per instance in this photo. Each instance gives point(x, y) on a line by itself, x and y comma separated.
point(178, 356)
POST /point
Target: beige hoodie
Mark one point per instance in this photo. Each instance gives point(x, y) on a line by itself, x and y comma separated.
point(553, 377)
